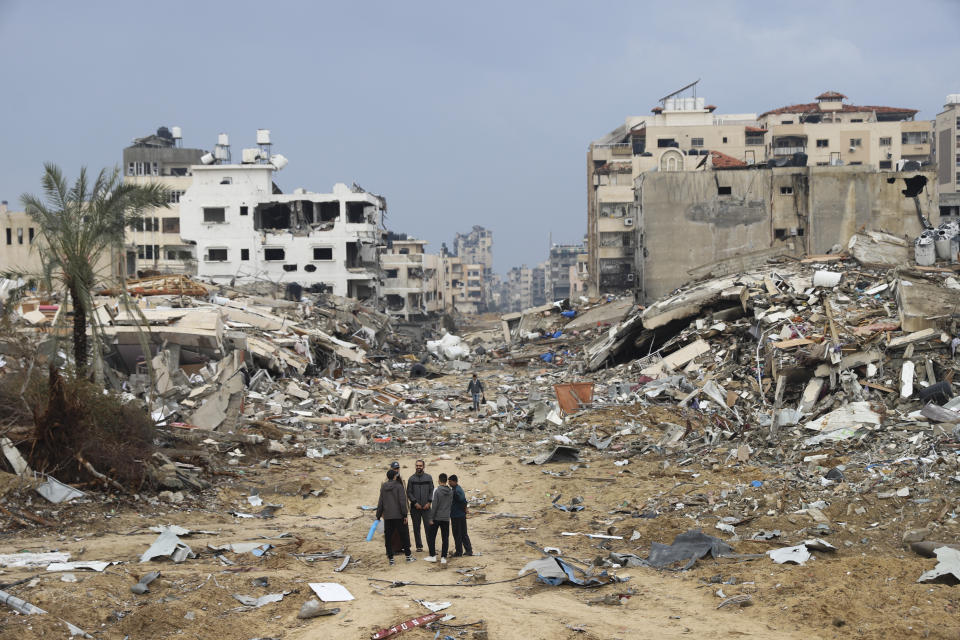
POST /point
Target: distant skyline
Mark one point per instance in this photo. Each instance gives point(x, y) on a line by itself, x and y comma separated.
point(458, 114)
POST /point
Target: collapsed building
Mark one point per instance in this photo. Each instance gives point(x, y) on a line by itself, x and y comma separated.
point(245, 229)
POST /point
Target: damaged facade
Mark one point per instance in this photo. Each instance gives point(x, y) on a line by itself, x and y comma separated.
point(155, 245)
point(412, 279)
point(246, 230)
point(684, 140)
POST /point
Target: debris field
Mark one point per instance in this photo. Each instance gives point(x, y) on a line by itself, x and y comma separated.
point(762, 454)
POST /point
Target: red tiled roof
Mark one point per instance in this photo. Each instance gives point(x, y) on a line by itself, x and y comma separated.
point(657, 109)
point(755, 130)
point(814, 107)
point(711, 107)
point(723, 161)
point(831, 95)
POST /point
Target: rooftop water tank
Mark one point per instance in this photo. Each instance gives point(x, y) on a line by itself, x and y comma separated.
point(263, 136)
point(223, 140)
point(177, 133)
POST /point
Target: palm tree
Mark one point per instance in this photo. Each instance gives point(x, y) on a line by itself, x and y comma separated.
point(78, 226)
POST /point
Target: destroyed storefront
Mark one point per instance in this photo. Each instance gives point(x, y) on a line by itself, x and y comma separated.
point(245, 231)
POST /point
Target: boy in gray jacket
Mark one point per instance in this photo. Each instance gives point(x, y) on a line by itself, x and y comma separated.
point(440, 520)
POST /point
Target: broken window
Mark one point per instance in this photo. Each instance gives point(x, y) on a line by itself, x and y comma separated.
point(357, 212)
point(666, 142)
point(148, 251)
point(310, 267)
point(171, 225)
point(214, 214)
point(856, 119)
point(886, 164)
point(786, 191)
point(216, 255)
point(328, 211)
point(244, 254)
point(19, 235)
point(9, 235)
point(30, 235)
point(724, 139)
point(271, 216)
point(780, 234)
point(698, 142)
point(754, 139)
point(724, 191)
point(173, 197)
point(178, 171)
point(914, 137)
point(886, 142)
point(823, 143)
point(274, 253)
point(323, 253)
point(786, 122)
point(226, 180)
point(289, 267)
point(856, 142)
point(391, 273)
point(244, 211)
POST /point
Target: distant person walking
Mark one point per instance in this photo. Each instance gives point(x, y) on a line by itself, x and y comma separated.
point(420, 495)
point(392, 507)
point(475, 388)
point(440, 520)
point(458, 520)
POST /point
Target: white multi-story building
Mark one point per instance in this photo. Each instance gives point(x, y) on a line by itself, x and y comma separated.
point(246, 231)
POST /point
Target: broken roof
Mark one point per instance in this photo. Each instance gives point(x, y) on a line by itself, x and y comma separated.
point(723, 161)
point(831, 95)
point(814, 107)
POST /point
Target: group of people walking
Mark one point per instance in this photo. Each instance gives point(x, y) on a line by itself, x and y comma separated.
point(437, 508)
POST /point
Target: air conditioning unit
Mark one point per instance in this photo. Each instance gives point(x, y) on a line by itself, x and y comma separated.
point(628, 222)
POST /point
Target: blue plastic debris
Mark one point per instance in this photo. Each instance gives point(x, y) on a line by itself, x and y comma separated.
point(547, 357)
point(568, 314)
point(373, 530)
point(756, 483)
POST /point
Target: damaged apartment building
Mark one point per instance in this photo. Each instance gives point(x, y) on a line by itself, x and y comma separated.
point(412, 278)
point(154, 245)
point(839, 156)
point(245, 229)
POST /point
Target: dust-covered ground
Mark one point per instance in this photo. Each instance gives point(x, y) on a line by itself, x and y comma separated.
point(866, 589)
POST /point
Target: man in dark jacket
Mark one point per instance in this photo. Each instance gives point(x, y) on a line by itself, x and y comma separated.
point(458, 520)
point(475, 388)
point(420, 495)
point(392, 507)
point(440, 520)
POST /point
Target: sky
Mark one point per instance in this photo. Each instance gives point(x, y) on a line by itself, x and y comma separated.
point(460, 114)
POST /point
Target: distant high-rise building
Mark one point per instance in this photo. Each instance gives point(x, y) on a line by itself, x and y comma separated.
point(948, 156)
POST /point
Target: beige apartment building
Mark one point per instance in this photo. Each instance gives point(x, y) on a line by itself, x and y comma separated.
point(948, 156)
point(684, 134)
point(155, 244)
point(832, 132)
point(463, 285)
point(18, 251)
point(412, 279)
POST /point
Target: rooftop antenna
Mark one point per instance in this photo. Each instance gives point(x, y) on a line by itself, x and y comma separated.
point(692, 85)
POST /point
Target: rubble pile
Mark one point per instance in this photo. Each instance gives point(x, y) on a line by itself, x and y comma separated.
point(797, 411)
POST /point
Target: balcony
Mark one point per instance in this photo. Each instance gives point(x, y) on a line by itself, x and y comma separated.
point(788, 151)
point(622, 149)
